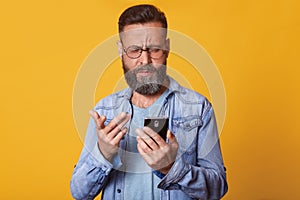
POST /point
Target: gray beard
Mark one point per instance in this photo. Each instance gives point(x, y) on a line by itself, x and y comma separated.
point(145, 85)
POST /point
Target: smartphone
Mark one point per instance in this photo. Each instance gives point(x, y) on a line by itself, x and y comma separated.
point(158, 124)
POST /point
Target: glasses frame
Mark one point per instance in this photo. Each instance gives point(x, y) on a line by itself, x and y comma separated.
point(141, 49)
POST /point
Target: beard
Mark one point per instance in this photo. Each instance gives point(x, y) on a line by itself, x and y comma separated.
point(148, 85)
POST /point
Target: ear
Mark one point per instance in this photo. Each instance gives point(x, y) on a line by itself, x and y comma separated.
point(167, 47)
point(120, 49)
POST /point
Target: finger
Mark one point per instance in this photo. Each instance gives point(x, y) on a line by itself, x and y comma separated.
point(143, 145)
point(99, 120)
point(146, 156)
point(119, 136)
point(94, 114)
point(155, 136)
point(171, 137)
point(119, 121)
point(117, 124)
point(112, 130)
point(123, 119)
point(145, 138)
point(142, 151)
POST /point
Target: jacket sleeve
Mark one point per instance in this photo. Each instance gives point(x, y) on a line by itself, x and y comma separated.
point(91, 172)
point(206, 180)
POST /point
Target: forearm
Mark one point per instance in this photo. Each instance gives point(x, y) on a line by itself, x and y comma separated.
point(89, 176)
point(195, 181)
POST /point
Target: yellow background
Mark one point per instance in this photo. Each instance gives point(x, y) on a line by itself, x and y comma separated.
point(254, 43)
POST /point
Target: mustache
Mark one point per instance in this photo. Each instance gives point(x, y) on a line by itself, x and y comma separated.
point(145, 67)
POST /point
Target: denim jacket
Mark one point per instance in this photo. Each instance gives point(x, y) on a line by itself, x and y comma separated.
point(197, 173)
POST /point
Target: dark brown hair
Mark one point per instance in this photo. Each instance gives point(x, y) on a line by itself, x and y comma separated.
point(141, 14)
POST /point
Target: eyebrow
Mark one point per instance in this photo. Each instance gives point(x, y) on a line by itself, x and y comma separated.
point(148, 46)
point(139, 46)
point(154, 45)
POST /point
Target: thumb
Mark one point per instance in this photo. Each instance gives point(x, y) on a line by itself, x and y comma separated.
point(94, 114)
point(99, 120)
point(171, 137)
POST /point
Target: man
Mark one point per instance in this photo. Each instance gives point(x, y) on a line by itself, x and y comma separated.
point(126, 160)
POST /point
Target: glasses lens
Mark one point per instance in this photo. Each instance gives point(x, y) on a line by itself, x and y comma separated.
point(133, 51)
point(156, 53)
point(136, 51)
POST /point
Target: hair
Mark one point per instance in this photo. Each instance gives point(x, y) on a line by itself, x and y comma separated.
point(141, 14)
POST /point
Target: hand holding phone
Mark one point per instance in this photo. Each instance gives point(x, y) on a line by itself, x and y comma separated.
point(158, 124)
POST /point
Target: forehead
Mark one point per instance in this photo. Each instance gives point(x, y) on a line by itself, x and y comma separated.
point(141, 34)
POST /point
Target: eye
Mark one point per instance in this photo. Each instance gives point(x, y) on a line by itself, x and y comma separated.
point(133, 49)
point(155, 49)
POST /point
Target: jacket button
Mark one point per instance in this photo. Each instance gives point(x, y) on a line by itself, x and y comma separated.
point(118, 190)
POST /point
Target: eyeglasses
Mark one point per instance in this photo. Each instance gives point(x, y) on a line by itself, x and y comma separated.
point(134, 52)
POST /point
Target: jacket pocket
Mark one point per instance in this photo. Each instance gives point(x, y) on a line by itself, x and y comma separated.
point(186, 131)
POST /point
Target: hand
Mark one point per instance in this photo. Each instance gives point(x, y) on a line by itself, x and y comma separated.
point(158, 154)
point(110, 136)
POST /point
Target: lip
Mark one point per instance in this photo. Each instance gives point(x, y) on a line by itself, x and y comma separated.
point(145, 72)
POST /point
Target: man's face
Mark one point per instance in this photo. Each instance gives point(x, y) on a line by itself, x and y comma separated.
point(145, 72)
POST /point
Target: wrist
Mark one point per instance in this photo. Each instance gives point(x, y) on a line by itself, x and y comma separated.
point(106, 155)
point(166, 169)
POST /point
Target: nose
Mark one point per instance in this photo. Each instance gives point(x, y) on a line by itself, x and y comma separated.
point(145, 57)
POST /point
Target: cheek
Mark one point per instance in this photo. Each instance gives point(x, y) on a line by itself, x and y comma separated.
point(162, 60)
point(130, 63)
point(158, 63)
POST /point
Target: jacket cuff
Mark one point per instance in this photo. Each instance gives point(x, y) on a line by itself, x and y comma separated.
point(159, 174)
point(176, 173)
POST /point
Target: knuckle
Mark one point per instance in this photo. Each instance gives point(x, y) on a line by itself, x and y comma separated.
point(150, 142)
point(111, 125)
point(143, 146)
point(165, 150)
point(151, 163)
point(118, 128)
point(101, 132)
point(175, 145)
point(122, 115)
point(124, 130)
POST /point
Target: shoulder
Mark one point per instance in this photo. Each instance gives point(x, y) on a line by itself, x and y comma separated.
point(187, 95)
point(190, 96)
point(192, 101)
point(114, 100)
